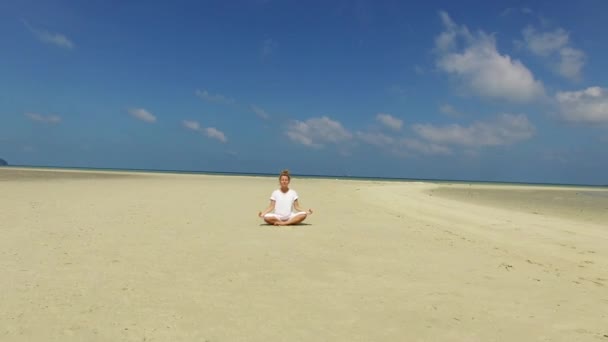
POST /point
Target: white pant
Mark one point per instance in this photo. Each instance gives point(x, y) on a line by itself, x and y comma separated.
point(285, 217)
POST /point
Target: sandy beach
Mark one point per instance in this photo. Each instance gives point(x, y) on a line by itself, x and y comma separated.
point(119, 256)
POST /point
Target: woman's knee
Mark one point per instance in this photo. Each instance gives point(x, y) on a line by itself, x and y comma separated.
point(270, 220)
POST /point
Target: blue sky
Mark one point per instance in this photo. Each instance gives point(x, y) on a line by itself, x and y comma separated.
point(471, 90)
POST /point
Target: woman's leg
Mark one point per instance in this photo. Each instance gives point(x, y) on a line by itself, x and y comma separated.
point(271, 219)
point(294, 219)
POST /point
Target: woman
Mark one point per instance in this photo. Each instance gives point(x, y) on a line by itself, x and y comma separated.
point(283, 202)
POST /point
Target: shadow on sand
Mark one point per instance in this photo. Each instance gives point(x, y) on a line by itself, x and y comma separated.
point(292, 225)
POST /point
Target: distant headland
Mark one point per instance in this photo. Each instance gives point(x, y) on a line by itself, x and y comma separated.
point(3, 162)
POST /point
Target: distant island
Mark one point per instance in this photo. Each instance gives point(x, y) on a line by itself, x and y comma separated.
point(3, 162)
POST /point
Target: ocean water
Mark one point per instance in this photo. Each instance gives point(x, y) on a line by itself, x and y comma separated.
point(314, 176)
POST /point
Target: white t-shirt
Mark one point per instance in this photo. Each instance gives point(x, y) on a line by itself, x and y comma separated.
point(283, 205)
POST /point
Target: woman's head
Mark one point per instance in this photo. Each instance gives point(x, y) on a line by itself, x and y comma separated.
point(284, 173)
point(284, 178)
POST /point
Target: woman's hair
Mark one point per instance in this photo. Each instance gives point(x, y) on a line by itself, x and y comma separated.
point(285, 173)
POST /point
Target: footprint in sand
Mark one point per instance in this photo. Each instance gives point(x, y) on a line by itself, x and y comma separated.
point(534, 262)
point(587, 252)
point(596, 281)
point(585, 263)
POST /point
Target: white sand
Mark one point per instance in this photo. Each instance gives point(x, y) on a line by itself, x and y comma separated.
point(160, 257)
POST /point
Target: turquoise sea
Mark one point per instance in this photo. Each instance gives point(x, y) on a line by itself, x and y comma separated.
point(313, 176)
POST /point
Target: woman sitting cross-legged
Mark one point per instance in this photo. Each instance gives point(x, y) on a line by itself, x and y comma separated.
point(284, 208)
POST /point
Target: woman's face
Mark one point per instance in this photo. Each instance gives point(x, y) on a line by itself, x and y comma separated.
point(284, 180)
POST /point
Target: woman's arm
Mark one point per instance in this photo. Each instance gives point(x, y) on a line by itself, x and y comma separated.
point(267, 210)
point(296, 206)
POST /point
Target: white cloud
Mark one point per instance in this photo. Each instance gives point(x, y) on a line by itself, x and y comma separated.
point(450, 111)
point(555, 45)
point(401, 146)
point(193, 125)
point(389, 121)
point(210, 132)
point(56, 39)
point(545, 43)
point(269, 47)
point(49, 119)
point(142, 114)
point(505, 130)
point(214, 133)
point(214, 98)
point(376, 139)
point(447, 39)
point(526, 10)
point(424, 147)
point(507, 11)
point(260, 112)
point(398, 90)
point(571, 63)
point(510, 10)
point(481, 68)
point(316, 132)
point(586, 106)
point(556, 156)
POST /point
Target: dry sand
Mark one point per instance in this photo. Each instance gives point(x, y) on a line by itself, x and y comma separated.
point(111, 256)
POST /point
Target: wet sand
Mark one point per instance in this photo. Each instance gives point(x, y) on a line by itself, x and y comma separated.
point(584, 204)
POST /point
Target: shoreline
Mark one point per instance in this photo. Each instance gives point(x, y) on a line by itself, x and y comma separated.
point(582, 204)
point(304, 176)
